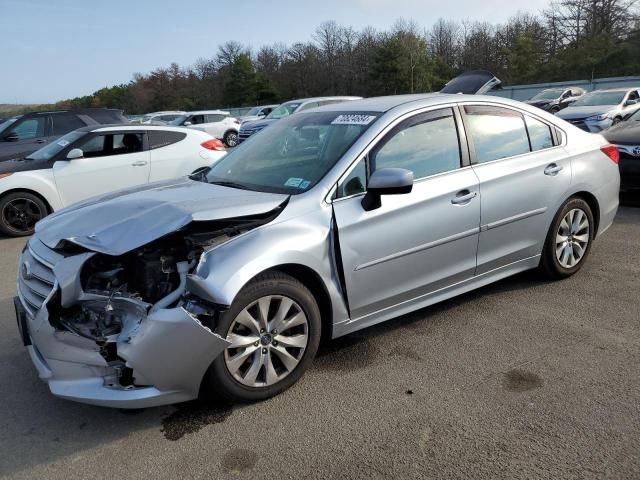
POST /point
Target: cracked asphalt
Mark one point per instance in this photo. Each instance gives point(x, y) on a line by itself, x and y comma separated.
point(521, 379)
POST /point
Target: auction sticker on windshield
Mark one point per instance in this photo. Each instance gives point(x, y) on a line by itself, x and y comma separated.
point(353, 119)
point(63, 143)
point(293, 182)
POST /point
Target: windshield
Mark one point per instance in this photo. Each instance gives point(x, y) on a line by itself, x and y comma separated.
point(6, 123)
point(51, 150)
point(548, 94)
point(293, 155)
point(595, 99)
point(179, 121)
point(284, 110)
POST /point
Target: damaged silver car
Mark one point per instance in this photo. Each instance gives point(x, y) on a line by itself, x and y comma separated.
point(327, 222)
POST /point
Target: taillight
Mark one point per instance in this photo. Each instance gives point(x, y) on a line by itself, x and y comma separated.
point(612, 152)
point(213, 144)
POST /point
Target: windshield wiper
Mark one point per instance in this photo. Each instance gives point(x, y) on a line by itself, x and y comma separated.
point(225, 183)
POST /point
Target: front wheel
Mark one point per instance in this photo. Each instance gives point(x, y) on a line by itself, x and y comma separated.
point(274, 328)
point(569, 240)
point(230, 138)
point(19, 213)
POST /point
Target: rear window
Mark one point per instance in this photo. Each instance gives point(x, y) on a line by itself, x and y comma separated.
point(159, 139)
point(66, 123)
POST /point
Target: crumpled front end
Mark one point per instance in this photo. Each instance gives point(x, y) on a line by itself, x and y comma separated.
point(116, 331)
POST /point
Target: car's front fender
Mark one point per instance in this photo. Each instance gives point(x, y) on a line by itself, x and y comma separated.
point(303, 241)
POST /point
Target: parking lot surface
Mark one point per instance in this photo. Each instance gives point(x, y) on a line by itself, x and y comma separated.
point(521, 379)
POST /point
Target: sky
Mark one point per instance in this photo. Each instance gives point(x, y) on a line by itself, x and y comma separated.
point(61, 49)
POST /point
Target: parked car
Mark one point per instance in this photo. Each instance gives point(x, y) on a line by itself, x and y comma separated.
point(217, 123)
point(626, 136)
point(555, 99)
point(257, 113)
point(237, 112)
point(96, 160)
point(25, 134)
point(328, 222)
point(161, 117)
point(598, 110)
point(294, 106)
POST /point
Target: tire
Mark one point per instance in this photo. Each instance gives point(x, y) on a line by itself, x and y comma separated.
point(566, 249)
point(19, 213)
point(230, 138)
point(616, 120)
point(230, 377)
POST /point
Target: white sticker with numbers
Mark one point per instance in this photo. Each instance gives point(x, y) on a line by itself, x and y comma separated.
point(353, 119)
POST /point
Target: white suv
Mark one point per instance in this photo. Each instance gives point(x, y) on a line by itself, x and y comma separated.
point(95, 160)
point(217, 123)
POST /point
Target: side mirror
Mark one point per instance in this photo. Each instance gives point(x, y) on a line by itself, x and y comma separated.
point(186, 124)
point(630, 102)
point(75, 153)
point(386, 181)
point(11, 137)
point(261, 115)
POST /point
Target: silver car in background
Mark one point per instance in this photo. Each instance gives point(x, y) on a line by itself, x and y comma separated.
point(328, 222)
point(598, 110)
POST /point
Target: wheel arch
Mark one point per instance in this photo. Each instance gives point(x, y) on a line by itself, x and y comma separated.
point(32, 192)
point(313, 281)
point(592, 201)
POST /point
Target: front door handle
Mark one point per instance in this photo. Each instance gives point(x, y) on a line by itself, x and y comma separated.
point(140, 163)
point(463, 196)
point(552, 169)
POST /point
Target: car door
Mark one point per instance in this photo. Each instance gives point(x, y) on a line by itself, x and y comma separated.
point(24, 137)
point(523, 177)
point(414, 243)
point(111, 161)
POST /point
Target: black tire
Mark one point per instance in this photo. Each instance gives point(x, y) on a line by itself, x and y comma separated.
point(19, 212)
point(616, 120)
point(219, 382)
point(230, 138)
point(550, 265)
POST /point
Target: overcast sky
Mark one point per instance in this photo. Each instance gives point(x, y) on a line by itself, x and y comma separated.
point(66, 48)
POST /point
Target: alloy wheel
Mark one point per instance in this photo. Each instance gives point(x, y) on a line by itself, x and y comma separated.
point(232, 139)
point(572, 238)
point(21, 215)
point(268, 340)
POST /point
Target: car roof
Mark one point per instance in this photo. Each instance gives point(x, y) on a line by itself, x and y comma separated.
point(317, 99)
point(118, 127)
point(71, 111)
point(215, 112)
point(616, 90)
point(181, 112)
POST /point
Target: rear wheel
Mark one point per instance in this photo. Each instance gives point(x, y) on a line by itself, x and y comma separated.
point(274, 329)
point(569, 240)
point(19, 213)
point(230, 138)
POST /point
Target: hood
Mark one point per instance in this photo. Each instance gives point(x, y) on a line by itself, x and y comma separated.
point(258, 123)
point(15, 165)
point(538, 103)
point(571, 113)
point(624, 133)
point(128, 219)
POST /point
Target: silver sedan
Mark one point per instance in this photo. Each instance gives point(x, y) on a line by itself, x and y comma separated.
point(324, 223)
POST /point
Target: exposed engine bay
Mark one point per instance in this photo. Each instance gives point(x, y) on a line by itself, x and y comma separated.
point(119, 293)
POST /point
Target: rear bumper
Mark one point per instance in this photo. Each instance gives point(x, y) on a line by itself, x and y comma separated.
point(629, 173)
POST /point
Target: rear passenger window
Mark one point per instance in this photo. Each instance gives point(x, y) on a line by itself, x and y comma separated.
point(496, 132)
point(63, 124)
point(539, 134)
point(119, 144)
point(159, 139)
point(426, 144)
point(214, 118)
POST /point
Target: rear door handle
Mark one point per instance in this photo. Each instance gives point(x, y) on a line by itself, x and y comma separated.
point(463, 196)
point(141, 163)
point(552, 169)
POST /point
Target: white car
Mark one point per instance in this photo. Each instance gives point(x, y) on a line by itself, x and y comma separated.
point(217, 123)
point(96, 160)
point(164, 117)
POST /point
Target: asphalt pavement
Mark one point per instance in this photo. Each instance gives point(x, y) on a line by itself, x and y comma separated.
point(521, 379)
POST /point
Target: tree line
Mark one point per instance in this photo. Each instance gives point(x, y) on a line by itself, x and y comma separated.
point(571, 39)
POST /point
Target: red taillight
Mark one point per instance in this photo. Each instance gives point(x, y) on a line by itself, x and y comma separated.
point(213, 144)
point(612, 152)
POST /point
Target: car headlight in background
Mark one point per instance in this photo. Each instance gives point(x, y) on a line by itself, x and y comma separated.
point(598, 118)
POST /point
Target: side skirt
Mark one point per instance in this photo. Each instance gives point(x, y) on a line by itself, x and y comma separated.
point(349, 326)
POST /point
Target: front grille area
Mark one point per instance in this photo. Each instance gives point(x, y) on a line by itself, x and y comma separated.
point(245, 133)
point(579, 122)
point(36, 279)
